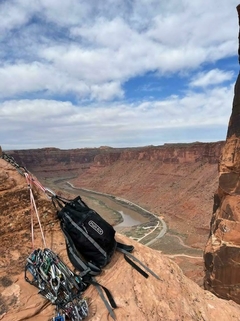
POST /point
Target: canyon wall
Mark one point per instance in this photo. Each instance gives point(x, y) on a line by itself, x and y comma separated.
point(222, 252)
point(176, 181)
point(54, 159)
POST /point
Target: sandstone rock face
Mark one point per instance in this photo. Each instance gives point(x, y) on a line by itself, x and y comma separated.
point(150, 176)
point(222, 252)
point(15, 235)
point(173, 297)
point(53, 159)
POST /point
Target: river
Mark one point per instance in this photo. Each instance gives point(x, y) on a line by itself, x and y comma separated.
point(142, 225)
point(127, 214)
point(127, 218)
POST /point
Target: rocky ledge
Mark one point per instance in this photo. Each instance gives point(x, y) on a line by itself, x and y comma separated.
point(173, 297)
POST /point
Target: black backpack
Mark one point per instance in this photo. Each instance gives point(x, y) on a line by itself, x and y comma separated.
point(90, 243)
point(93, 237)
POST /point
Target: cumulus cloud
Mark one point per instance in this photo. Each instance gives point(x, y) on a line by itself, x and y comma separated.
point(72, 61)
point(34, 110)
point(92, 126)
point(212, 77)
point(33, 77)
point(113, 41)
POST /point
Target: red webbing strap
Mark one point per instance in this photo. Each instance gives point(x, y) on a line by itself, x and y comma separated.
point(34, 208)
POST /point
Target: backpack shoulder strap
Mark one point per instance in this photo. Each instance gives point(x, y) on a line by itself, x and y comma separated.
point(88, 271)
point(60, 202)
point(126, 249)
point(109, 302)
point(75, 258)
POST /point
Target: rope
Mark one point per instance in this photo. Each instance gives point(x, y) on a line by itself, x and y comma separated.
point(33, 206)
point(30, 180)
point(32, 230)
point(22, 171)
point(37, 183)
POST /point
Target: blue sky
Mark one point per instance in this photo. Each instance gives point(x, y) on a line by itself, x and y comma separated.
point(119, 73)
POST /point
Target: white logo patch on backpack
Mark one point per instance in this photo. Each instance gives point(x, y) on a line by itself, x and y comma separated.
point(95, 227)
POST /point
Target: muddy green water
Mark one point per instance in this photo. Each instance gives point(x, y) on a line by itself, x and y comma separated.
point(126, 214)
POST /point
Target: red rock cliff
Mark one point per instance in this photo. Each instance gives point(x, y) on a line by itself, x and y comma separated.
point(173, 297)
point(222, 252)
point(53, 159)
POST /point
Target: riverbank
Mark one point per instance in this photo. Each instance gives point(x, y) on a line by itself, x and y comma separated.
point(148, 231)
point(138, 224)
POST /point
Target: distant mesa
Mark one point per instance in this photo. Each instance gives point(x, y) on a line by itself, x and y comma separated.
point(105, 147)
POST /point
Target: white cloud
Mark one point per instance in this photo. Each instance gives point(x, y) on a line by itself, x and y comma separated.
point(85, 51)
point(48, 123)
point(34, 77)
point(12, 16)
point(112, 41)
point(34, 111)
point(106, 91)
point(212, 77)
